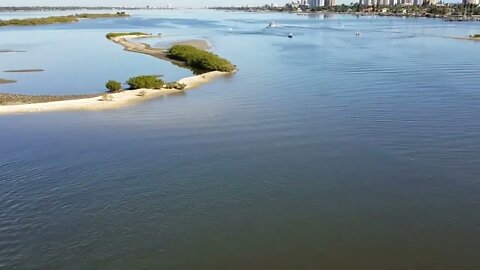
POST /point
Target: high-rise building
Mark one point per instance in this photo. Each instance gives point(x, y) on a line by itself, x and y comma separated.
point(365, 2)
point(315, 3)
point(330, 3)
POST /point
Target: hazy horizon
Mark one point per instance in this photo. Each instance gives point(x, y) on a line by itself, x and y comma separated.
point(157, 3)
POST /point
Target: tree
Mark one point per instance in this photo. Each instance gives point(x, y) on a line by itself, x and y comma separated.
point(149, 82)
point(113, 86)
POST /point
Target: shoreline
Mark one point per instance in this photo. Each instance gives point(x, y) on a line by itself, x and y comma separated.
point(118, 100)
point(17, 103)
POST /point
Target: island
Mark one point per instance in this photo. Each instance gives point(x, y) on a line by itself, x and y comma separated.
point(206, 65)
point(183, 54)
point(60, 19)
point(474, 37)
point(3, 81)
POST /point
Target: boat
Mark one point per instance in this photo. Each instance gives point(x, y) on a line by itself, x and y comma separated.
point(290, 35)
point(272, 24)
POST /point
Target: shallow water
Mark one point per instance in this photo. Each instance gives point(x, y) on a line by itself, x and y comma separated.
point(327, 150)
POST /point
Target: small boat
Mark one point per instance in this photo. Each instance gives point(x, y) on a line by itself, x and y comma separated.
point(357, 34)
point(272, 24)
point(290, 35)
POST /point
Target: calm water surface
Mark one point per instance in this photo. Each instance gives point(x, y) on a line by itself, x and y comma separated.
point(325, 151)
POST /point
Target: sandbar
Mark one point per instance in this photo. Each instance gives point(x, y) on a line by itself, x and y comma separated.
point(24, 70)
point(10, 51)
point(197, 43)
point(15, 104)
point(118, 100)
point(4, 81)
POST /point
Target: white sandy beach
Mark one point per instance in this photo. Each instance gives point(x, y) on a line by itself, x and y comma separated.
point(121, 99)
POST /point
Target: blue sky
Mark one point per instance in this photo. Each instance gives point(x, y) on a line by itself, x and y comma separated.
point(177, 3)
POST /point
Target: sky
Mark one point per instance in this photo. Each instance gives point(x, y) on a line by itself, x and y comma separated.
point(160, 3)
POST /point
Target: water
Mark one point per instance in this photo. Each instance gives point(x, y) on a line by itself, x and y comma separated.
point(327, 150)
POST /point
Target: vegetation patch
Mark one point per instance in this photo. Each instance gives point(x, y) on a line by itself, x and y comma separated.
point(175, 85)
point(3, 81)
point(475, 36)
point(23, 70)
point(101, 15)
point(58, 19)
point(113, 86)
point(112, 35)
point(200, 59)
point(142, 93)
point(146, 81)
point(10, 51)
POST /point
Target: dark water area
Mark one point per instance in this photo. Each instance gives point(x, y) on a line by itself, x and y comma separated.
point(324, 151)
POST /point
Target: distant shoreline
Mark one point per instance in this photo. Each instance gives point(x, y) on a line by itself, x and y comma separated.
point(24, 70)
point(59, 19)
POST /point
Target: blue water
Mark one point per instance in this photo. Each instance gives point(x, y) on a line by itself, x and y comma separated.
point(325, 151)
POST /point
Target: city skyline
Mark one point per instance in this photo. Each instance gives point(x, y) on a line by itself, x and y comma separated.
point(199, 3)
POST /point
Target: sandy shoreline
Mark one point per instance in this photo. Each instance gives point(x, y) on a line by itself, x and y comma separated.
point(127, 97)
point(197, 43)
point(30, 104)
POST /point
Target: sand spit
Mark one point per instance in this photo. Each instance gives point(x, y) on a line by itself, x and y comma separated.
point(15, 103)
point(24, 70)
point(4, 81)
point(10, 51)
point(116, 100)
point(197, 43)
point(143, 47)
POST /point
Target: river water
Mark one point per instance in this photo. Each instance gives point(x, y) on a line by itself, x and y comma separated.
point(325, 151)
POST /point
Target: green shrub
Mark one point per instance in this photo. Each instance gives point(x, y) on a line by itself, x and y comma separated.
point(201, 59)
point(175, 85)
point(113, 86)
point(475, 36)
point(142, 93)
point(146, 81)
point(106, 97)
point(112, 35)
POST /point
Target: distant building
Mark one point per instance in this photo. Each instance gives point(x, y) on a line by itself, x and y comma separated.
point(315, 3)
point(329, 3)
point(474, 2)
point(365, 2)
